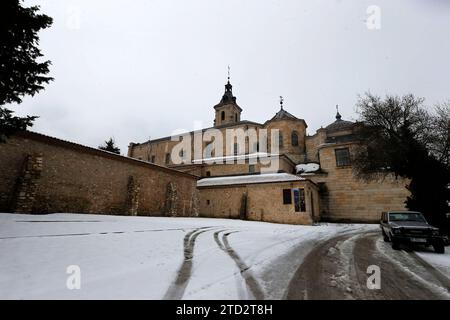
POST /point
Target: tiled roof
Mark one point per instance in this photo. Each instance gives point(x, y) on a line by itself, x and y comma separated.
point(339, 124)
point(283, 114)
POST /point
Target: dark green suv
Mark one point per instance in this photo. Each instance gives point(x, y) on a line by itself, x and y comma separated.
point(410, 227)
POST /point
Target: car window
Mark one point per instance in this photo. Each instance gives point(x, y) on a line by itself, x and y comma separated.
point(401, 216)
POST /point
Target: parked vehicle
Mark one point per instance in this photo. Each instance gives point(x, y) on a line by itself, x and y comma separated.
point(410, 227)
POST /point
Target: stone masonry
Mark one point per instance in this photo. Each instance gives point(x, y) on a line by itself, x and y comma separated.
point(27, 183)
point(60, 176)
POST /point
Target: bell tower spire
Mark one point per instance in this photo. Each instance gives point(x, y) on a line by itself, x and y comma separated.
point(228, 86)
point(227, 111)
point(338, 115)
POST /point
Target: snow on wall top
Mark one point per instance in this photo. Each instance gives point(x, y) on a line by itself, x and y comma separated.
point(237, 157)
point(248, 179)
point(307, 167)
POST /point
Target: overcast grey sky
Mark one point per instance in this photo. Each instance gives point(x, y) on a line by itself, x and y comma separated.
point(142, 68)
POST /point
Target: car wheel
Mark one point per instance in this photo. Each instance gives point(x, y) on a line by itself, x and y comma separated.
point(395, 244)
point(439, 248)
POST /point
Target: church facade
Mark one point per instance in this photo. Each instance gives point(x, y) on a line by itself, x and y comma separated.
point(274, 171)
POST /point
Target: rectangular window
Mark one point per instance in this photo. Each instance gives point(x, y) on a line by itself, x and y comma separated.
point(287, 197)
point(302, 200)
point(299, 200)
point(342, 157)
point(152, 159)
point(208, 173)
point(251, 168)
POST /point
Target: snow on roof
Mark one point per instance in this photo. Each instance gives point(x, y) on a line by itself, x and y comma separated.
point(248, 179)
point(307, 167)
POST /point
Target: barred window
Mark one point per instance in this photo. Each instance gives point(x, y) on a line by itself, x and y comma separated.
point(342, 157)
point(299, 200)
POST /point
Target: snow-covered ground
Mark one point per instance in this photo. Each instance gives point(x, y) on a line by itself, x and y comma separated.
point(150, 257)
point(439, 261)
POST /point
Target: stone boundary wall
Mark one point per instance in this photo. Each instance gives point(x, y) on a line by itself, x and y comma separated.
point(42, 174)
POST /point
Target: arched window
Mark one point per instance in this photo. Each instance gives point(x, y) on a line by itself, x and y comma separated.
point(294, 138)
point(280, 140)
point(222, 116)
point(208, 151)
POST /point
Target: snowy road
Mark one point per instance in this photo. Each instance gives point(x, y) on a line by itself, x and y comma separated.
point(184, 258)
point(337, 269)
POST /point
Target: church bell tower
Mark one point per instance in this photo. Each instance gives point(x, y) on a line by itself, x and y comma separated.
point(227, 111)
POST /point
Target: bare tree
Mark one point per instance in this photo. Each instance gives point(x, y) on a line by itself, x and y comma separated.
point(400, 136)
point(392, 130)
point(439, 133)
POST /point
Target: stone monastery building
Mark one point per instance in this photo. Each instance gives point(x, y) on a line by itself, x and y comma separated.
point(312, 180)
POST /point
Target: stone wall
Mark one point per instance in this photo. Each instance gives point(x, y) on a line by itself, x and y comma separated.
point(40, 174)
point(286, 127)
point(232, 114)
point(24, 193)
point(344, 197)
point(264, 202)
point(158, 148)
point(312, 145)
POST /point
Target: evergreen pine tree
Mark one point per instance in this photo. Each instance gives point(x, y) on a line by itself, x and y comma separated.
point(20, 72)
point(110, 145)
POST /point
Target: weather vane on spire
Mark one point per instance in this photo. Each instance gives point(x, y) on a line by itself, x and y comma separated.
point(338, 115)
point(281, 101)
point(228, 72)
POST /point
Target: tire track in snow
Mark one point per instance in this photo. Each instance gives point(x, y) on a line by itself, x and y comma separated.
point(177, 288)
point(252, 284)
point(90, 233)
point(418, 271)
point(337, 269)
